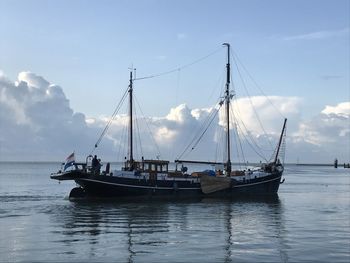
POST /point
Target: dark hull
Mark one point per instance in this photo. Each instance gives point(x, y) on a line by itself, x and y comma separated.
point(109, 186)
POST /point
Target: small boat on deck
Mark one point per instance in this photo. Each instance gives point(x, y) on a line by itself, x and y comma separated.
point(154, 178)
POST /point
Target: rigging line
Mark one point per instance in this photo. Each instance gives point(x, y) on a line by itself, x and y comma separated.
point(110, 120)
point(180, 67)
point(199, 128)
point(221, 82)
point(219, 135)
point(256, 84)
point(122, 139)
point(201, 136)
point(194, 134)
point(237, 151)
point(207, 124)
point(248, 132)
point(138, 133)
point(241, 159)
point(240, 141)
point(148, 127)
point(251, 142)
point(204, 124)
point(250, 101)
point(237, 138)
point(249, 136)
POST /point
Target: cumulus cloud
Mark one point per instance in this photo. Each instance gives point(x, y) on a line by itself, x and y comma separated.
point(315, 140)
point(327, 134)
point(37, 123)
point(261, 114)
point(331, 126)
point(342, 109)
point(182, 130)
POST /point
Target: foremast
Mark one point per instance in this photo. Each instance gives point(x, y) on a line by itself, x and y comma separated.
point(228, 167)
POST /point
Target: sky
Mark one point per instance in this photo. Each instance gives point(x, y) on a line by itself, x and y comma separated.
point(64, 66)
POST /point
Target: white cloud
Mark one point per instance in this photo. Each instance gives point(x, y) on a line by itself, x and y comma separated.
point(268, 109)
point(37, 123)
point(180, 114)
point(340, 109)
point(328, 133)
point(319, 35)
point(315, 140)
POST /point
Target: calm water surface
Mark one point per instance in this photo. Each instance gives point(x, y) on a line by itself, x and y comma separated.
point(308, 222)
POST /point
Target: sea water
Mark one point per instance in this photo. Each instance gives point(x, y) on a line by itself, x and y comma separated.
point(308, 222)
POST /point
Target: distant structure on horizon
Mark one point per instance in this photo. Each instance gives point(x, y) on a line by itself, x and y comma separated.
point(346, 165)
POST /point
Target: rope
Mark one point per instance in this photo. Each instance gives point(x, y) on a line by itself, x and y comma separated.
point(196, 139)
point(122, 139)
point(178, 69)
point(219, 132)
point(110, 121)
point(251, 139)
point(237, 136)
point(181, 67)
point(148, 127)
point(205, 130)
point(246, 131)
point(251, 103)
point(255, 83)
point(138, 141)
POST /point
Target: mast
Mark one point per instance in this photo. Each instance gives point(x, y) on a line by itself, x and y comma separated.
point(227, 102)
point(131, 158)
point(280, 140)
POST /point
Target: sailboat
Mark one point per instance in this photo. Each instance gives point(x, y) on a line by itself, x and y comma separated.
point(154, 178)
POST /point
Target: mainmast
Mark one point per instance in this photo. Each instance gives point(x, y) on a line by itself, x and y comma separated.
point(131, 158)
point(227, 102)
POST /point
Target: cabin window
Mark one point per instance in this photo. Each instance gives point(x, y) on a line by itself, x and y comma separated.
point(164, 168)
point(146, 167)
point(153, 167)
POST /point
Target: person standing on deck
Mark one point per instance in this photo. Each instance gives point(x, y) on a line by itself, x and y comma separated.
point(95, 164)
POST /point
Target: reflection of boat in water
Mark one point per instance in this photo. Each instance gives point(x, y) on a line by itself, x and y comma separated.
point(154, 178)
point(257, 221)
point(142, 231)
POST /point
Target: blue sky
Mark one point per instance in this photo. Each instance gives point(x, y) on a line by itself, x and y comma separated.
point(292, 48)
point(87, 47)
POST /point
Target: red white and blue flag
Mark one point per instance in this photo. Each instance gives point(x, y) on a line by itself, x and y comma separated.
point(69, 161)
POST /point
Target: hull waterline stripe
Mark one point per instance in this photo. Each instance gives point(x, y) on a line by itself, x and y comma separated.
point(172, 188)
point(144, 187)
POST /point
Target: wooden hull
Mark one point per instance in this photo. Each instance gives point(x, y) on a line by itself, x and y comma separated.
point(110, 186)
